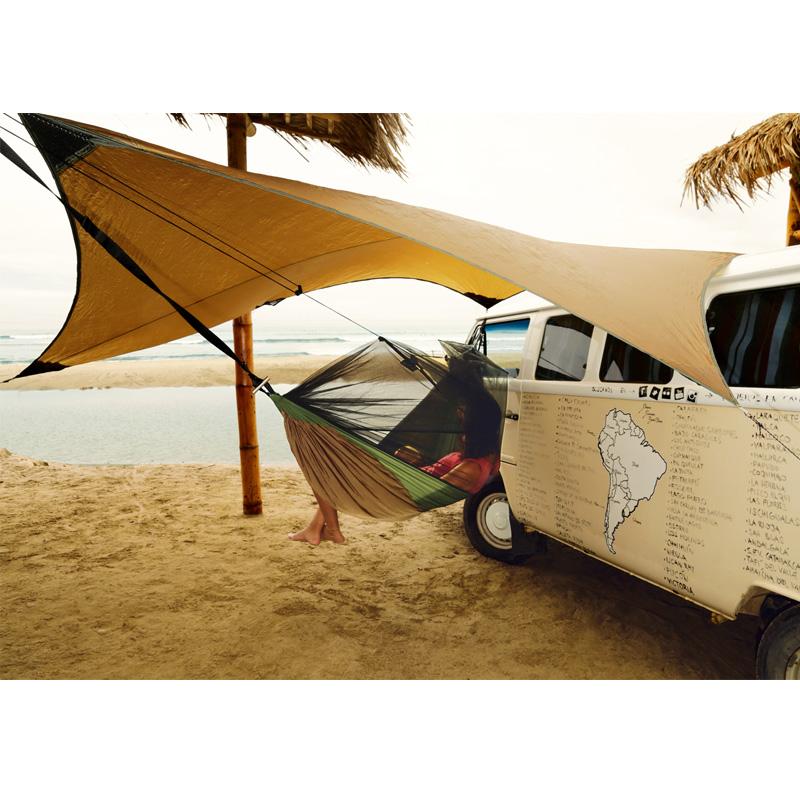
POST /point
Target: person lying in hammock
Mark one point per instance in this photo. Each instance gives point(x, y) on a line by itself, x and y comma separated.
point(469, 468)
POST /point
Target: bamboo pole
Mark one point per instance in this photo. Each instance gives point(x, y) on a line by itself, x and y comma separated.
point(793, 217)
point(243, 347)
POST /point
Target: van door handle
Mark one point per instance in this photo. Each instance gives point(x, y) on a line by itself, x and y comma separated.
point(512, 415)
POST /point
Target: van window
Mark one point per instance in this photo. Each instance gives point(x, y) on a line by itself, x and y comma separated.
point(625, 364)
point(756, 337)
point(504, 342)
point(565, 348)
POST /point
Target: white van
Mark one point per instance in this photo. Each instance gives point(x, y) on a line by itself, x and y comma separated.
point(616, 454)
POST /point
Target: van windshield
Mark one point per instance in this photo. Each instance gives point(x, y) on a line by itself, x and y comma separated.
point(504, 343)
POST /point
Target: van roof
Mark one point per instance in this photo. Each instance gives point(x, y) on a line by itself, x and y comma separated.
point(774, 261)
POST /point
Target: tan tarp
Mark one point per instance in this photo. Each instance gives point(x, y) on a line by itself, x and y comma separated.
point(220, 242)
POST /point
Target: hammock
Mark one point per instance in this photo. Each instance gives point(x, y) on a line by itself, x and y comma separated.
point(368, 429)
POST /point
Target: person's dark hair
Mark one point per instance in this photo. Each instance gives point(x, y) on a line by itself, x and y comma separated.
point(482, 417)
point(481, 425)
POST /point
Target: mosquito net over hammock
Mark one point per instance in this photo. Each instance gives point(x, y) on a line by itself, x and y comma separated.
point(387, 431)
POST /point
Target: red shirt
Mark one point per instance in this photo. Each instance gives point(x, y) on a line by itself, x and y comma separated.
point(487, 468)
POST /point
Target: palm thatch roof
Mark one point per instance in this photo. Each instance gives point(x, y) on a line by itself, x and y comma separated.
point(749, 161)
point(369, 140)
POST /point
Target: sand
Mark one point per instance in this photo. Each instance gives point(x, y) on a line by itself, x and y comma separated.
point(138, 374)
point(152, 572)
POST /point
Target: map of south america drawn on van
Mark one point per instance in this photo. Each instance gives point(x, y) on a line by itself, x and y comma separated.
point(634, 468)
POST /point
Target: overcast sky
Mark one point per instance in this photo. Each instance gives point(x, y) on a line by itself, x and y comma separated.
point(608, 179)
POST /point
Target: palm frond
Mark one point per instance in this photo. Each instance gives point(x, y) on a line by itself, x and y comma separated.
point(369, 140)
point(749, 161)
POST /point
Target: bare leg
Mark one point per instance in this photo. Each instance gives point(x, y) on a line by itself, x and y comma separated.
point(330, 515)
point(312, 532)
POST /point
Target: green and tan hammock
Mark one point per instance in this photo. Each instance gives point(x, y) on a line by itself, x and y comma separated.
point(346, 423)
point(355, 476)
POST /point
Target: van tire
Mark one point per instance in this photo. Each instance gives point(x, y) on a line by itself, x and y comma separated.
point(778, 653)
point(486, 526)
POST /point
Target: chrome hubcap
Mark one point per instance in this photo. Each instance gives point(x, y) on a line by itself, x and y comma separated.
point(494, 521)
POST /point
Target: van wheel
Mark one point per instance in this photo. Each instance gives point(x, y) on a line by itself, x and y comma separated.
point(489, 523)
point(778, 654)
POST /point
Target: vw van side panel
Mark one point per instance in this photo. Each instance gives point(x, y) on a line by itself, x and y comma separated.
point(679, 488)
point(711, 517)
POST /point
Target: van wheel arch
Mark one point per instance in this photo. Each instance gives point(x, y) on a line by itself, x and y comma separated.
point(492, 528)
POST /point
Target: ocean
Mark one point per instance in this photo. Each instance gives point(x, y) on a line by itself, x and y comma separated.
point(163, 425)
point(25, 347)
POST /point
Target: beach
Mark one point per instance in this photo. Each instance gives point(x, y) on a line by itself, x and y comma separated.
point(151, 571)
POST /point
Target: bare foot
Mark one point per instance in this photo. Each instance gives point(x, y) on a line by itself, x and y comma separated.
point(310, 535)
point(334, 536)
